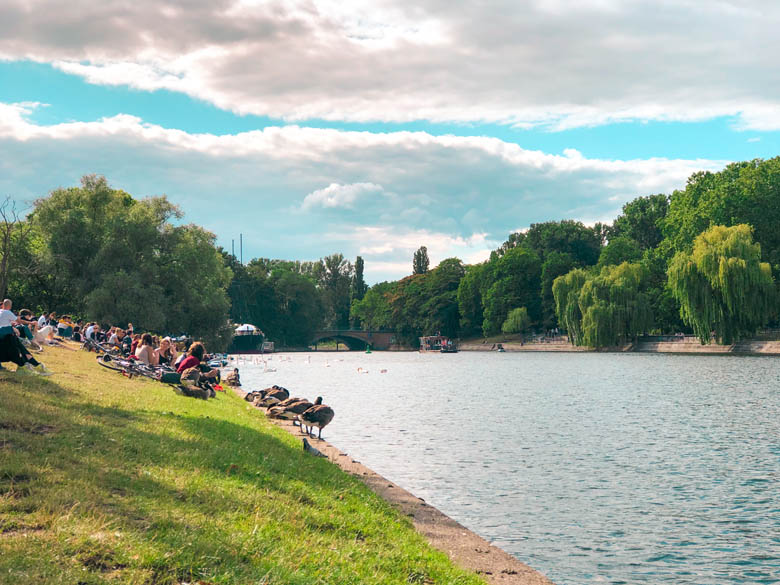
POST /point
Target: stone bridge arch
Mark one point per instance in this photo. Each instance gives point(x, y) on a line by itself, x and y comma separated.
point(356, 339)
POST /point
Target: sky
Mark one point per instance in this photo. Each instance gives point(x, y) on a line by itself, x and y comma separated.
point(372, 128)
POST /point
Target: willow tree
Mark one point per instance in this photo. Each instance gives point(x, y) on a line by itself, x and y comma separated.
point(614, 306)
point(566, 292)
point(723, 287)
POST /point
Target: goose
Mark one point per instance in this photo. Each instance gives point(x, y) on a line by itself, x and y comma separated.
point(292, 410)
point(286, 402)
point(318, 416)
point(273, 397)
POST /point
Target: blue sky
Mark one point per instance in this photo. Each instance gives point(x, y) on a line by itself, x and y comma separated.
point(374, 128)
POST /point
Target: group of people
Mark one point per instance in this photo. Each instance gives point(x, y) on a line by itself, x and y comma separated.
point(17, 335)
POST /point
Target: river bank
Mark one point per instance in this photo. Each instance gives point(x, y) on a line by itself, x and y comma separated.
point(465, 548)
point(669, 344)
point(109, 479)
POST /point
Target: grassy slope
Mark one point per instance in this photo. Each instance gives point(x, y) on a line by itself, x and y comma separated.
point(110, 480)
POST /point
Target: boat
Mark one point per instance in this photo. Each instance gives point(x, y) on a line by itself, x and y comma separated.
point(249, 339)
point(437, 343)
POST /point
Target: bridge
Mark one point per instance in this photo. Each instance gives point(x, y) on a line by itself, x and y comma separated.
point(356, 339)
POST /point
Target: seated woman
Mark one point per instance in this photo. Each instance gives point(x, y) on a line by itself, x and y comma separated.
point(146, 352)
point(233, 378)
point(166, 353)
point(194, 359)
point(77, 334)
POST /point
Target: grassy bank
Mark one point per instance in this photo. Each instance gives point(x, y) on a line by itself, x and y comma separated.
point(109, 480)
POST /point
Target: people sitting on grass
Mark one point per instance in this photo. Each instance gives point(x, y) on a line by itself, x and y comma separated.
point(146, 352)
point(166, 353)
point(194, 358)
point(11, 348)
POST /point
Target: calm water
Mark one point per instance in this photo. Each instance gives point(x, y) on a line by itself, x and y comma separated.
point(592, 468)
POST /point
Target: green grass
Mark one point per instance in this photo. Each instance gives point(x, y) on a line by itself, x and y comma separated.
point(109, 480)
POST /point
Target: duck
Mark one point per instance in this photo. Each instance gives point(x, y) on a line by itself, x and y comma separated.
point(318, 416)
point(292, 410)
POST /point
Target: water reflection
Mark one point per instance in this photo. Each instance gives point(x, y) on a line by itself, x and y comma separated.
point(592, 468)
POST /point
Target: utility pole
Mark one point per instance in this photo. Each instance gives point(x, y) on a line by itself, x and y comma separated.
point(241, 247)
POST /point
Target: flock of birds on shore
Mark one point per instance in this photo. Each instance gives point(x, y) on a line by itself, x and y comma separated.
point(278, 404)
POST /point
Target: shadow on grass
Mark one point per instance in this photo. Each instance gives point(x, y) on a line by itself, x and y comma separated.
point(178, 487)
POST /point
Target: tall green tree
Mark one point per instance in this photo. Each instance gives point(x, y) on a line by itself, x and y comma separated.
point(723, 288)
point(420, 261)
point(359, 286)
point(744, 192)
point(373, 311)
point(115, 259)
point(614, 306)
point(641, 221)
point(566, 291)
point(335, 281)
point(515, 282)
point(471, 290)
point(604, 308)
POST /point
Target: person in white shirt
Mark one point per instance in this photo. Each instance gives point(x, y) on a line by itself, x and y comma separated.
point(89, 331)
point(42, 321)
point(11, 349)
point(7, 319)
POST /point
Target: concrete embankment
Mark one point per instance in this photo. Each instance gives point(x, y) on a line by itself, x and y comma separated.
point(464, 547)
point(692, 345)
point(681, 345)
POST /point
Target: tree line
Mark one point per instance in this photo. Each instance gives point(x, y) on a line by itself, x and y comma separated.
point(703, 259)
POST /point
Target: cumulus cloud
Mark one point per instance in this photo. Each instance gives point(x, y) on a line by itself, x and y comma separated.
point(560, 64)
point(335, 195)
point(386, 195)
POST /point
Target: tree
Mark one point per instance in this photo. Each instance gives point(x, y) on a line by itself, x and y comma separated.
point(605, 308)
point(335, 282)
point(359, 286)
point(556, 264)
point(115, 259)
point(582, 243)
point(744, 192)
point(517, 321)
point(566, 291)
point(641, 221)
point(373, 310)
point(614, 306)
point(515, 282)
point(620, 249)
point(471, 289)
point(420, 261)
point(14, 233)
point(723, 287)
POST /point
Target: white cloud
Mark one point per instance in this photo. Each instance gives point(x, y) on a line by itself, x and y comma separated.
point(459, 196)
point(336, 195)
point(560, 64)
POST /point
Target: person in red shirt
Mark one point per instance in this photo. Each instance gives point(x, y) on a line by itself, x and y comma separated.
point(194, 359)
